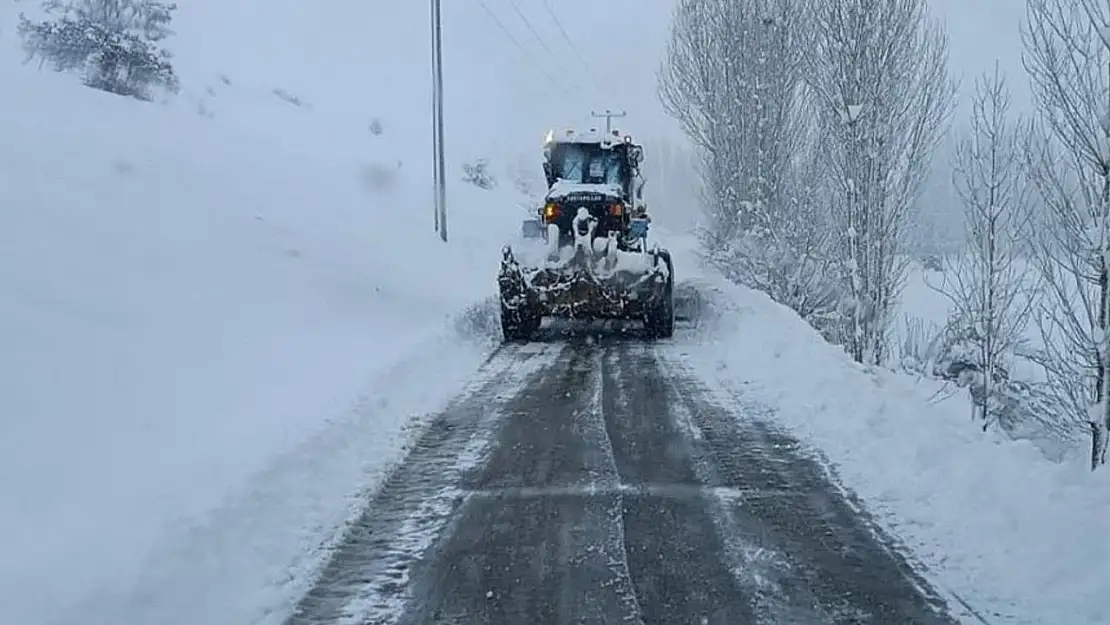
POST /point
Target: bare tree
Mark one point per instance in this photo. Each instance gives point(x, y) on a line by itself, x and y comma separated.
point(987, 284)
point(734, 81)
point(879, 73)
point(1067, 55)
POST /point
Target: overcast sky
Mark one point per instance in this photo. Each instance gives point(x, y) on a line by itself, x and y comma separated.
point(505, 84)
point(623, 42)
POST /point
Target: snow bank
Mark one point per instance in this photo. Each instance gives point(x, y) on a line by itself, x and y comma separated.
point(1019, 538)
point(183, 304)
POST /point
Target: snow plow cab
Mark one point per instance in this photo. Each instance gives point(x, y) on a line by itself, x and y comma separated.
point(598, 261)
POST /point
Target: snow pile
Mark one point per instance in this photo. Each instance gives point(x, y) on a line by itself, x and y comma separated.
point(186, 306)
point(1021, 539)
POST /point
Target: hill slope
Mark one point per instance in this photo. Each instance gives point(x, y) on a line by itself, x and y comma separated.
point(185, 302)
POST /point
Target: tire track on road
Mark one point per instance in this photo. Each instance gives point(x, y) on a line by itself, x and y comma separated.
point(610, 486)
point(759, 565)
point(837, 556)
point(673, 545)
point(556, 558)
point(366, 579)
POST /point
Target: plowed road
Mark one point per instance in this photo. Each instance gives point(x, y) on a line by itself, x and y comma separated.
point(609, 486)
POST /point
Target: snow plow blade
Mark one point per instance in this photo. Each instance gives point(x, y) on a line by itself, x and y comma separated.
point(585, 289)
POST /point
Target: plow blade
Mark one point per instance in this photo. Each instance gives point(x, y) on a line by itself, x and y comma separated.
point(579, 293)
point(586, 288)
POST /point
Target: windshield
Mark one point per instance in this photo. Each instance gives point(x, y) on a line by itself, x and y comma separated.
point(587, 164)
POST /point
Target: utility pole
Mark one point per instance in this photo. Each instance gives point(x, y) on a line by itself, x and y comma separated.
point(608, 115)
point(435, 135)
point(437, 123)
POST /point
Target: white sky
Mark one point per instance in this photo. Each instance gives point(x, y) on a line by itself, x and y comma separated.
point(355, 59)
point(982, 32)
point(360, 56)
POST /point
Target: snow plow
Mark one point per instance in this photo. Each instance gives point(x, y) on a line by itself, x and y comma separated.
point(598, 262)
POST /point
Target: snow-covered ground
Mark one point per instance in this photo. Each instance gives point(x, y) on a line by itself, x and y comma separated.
point(194, 317)
point(1018, 537)
point(922, 315)
point(221, 312)
point(219, 317)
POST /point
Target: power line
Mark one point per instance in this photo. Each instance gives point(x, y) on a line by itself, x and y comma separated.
point(573, 48)
point(515, 42)
point(552, 80)
point(535, 33)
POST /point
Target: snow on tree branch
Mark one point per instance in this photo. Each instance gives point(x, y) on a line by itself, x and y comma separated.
point(734, 81)
point(879, 74)
point(987, 285)
point(1068, 58)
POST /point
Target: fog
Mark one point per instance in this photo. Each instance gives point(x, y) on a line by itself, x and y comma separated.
point(513, 68)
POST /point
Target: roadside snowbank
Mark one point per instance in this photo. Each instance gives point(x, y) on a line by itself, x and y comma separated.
point(182, 305)
point(1021, 539)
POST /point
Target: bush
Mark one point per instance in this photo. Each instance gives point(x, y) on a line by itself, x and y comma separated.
point(1022, 409)
point(112, 43)
point(479, 175)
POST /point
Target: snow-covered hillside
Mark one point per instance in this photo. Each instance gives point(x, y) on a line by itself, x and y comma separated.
point(185, 302)
point(235, 298)
point(222, 313)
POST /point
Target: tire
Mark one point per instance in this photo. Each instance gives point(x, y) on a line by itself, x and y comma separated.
point(659, 320)
point(518, 324)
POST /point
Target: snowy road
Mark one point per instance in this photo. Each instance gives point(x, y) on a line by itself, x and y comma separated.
point(610, 488)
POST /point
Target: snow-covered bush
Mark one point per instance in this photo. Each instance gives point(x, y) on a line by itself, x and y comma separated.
point(111, 43)
point(1022, 409)
point(794, 272)
point(919, 347)
point(480, 321)
point(478, 174)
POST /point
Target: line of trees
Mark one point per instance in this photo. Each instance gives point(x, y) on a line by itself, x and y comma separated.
point(816, 124)
point(815, 121)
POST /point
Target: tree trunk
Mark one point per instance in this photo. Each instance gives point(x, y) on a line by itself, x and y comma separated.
point(1101, 424)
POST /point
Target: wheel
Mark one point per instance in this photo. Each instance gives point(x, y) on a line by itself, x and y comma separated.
point(518, 324)
point(659, 320)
